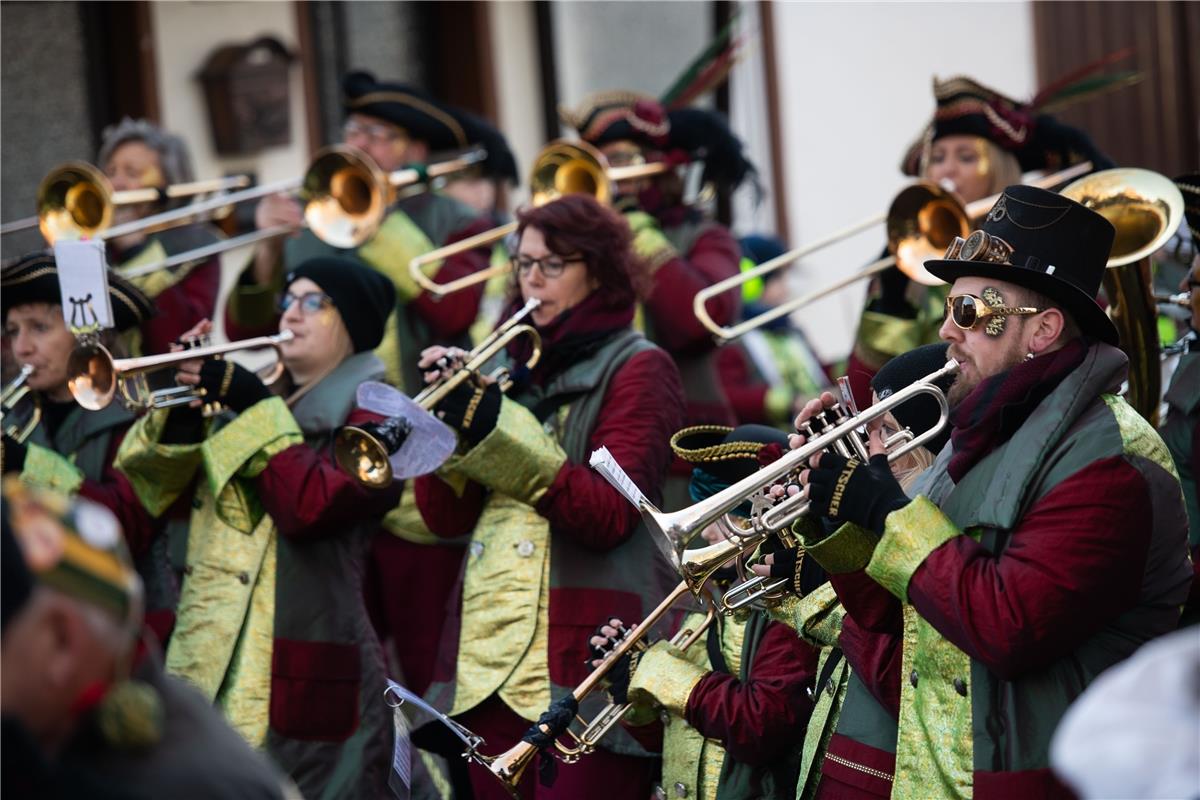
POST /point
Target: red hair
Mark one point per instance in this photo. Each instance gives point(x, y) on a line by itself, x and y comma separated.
point(578, 224)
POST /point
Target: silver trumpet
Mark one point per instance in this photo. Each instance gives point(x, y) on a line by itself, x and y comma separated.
point(845, 433)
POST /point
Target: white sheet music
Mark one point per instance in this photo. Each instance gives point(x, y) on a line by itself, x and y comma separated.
point(603, 462)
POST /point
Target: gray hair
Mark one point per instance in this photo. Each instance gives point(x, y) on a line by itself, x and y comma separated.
point(173, 157)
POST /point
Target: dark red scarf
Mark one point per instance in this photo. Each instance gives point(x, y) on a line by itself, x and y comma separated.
point(998, 406)
point(572, 336)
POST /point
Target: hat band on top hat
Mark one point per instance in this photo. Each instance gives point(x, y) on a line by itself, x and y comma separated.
point(406, 99)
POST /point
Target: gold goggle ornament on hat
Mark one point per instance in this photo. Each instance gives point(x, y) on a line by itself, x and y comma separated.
point(979, 246)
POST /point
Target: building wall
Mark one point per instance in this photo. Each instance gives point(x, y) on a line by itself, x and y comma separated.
point(44, 112)
point(518, 88)
point(855, 90)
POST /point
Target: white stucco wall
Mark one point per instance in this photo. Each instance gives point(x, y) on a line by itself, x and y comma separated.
point(855, 89)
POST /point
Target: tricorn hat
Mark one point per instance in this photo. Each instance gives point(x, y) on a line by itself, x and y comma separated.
point(1044, 242)
point(407, 106)
point(34, 279)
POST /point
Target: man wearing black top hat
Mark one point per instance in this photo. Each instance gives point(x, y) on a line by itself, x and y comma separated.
point(396, 125)
point(1046, 543)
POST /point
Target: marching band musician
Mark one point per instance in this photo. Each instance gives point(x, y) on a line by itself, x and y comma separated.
point(71, 449)
point(553, 546)
point(978, 142)
point(271, 624)
point(397, 126)
point(138, 155)
point(734, 705)
point(1044, 544)
point(686, 251)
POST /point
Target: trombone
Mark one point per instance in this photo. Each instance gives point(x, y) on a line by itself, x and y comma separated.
point(365, 455)
point(561, 167)
point(95, 376)
point(77, 199)
point(510, 766)
point(922, 222)
point(12, 394)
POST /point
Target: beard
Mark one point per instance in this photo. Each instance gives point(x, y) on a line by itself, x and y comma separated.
point(1008, 357)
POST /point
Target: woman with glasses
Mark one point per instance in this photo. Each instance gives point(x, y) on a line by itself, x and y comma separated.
point(271, 623)
point(553, 546)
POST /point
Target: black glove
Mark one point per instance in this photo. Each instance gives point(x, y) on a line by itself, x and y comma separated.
point(14, 454)
point(231, 385)
point(619, 673)
point(472, 409)
point(392, 432)
point(893, 295)
point(851, 491)
point(550, 726)
point(184, 425)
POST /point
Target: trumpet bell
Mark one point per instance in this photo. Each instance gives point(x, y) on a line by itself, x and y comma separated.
point(344, 198)
point(73, 200)
point(93, 381)
point(1146, 208)
point(921, 223)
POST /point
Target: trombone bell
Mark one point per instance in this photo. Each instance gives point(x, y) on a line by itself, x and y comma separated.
point(921, 223)
point(1142, 205)
point(74, 199)
point(344, 195)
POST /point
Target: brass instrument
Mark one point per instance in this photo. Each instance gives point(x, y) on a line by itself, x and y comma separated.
point(76, 199)
point(510, 766)
point(562, 167)
point(346, 197)
point(1146, 209)
point(922, 221)
point(12, 394)
point(1178, 299)
point(95, 376)
point(364, 455)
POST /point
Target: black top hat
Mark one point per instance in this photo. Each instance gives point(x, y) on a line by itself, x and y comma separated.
point(406, 106)
point(1044, 242)
point(34, 279)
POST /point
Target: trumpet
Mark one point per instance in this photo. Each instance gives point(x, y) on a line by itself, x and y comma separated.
point(1178, 299)
point(365, 455)
point(845, 434)
point(95, 376)
point(510, 766)
point(12, 394)
point(922, 222)
point(562, 167)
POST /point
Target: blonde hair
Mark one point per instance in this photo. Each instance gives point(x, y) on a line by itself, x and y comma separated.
point(1005, 169)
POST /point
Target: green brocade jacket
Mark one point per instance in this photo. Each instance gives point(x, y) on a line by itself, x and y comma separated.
point(963, 729)
point(272, 629)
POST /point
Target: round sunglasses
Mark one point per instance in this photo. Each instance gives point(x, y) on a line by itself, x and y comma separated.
point(966, 310)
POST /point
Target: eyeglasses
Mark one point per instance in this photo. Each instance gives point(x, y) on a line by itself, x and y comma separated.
point(381, 134)
point(310, 302)
point(966, 310)
point(551, 266)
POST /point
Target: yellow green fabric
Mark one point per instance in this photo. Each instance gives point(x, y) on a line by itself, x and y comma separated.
point(49, 470)
point(255, 305)
point(649, 242)
point(518, 458)
point(666, 675)
point(503, 643)
point(159, 473)
point(909, 536)
point(155, 283)
point(822, 724)
point(222, 642)
point(935, 745)
point(1138, 436)
point(398, 242)
point(242, 449)
point(847, 549)
point(816, 618)
point(882, 336)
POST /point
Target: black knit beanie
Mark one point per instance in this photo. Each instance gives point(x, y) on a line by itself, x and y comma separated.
point(920, 413)
point(363, 297)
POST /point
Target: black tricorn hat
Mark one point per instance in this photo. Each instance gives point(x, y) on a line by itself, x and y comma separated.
point(1047, 243)
point(728, 454)
point(500, 163)
point(34, 279)
point(407, 106)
